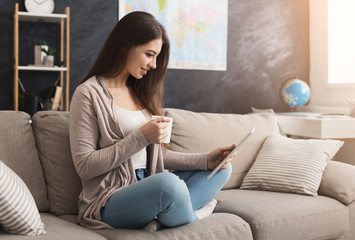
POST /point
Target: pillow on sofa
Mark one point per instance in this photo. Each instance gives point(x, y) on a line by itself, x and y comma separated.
point(291, 165)
point(51, 130)
point(203, 132)
point(338, 182)
point(19, 152)
point(18, 211)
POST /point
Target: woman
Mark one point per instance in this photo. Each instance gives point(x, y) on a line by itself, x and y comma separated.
point(117, 148)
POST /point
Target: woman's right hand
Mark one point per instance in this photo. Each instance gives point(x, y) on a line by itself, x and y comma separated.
point(156, 130)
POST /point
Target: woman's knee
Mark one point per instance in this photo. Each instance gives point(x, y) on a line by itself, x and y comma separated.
point(171, 185)
point(229, 169)
point(226, 173)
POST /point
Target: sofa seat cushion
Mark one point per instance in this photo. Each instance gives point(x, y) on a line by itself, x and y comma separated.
point(57, 229)
point(51, 130)
point(18, 151)
point(281, 216)
point(204, 132)
point(216, 226)
point(351, 233)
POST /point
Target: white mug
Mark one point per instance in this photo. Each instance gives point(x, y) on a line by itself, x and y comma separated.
point(170, 126)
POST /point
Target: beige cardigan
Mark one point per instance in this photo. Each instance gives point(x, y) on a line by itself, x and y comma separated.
point(101, 153)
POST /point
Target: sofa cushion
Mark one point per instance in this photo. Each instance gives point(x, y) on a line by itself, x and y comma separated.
point(18, 211)
point(340, 188)
point(204, 132)
point(52, 137)
point(18, 151)
point(351, 233)
point(273, 215)
point(291, 165)
point(58, 229)
point(216, 226)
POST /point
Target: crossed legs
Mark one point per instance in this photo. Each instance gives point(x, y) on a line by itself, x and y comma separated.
point(171, 197)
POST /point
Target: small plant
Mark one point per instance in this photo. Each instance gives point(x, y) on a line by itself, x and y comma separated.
point(42, 42)
point(49, 51)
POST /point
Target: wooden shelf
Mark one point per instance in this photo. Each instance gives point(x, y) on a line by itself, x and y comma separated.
point(36, 68)
point(64, 21)
point(48, 18)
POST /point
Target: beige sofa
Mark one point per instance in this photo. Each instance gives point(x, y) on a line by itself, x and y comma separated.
point(38, 151)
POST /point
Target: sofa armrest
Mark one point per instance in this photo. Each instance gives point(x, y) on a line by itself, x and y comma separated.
point(338, 182)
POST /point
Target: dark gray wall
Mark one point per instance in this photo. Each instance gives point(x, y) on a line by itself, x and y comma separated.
point(268, 42)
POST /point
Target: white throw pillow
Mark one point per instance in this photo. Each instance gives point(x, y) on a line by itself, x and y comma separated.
point(291, 165)
point(18, 210)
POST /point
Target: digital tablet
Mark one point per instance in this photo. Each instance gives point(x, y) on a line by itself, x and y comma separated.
point(230, 154)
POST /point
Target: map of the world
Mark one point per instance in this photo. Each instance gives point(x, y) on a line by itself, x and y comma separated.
point(197, 30)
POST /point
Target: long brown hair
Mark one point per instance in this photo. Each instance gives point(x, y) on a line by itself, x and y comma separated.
point(134, 29)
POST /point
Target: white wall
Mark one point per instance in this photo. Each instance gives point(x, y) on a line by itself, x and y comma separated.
point(325, 97)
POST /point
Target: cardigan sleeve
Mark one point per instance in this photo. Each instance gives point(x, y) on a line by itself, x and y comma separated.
point(84, 129)
point(184, 161)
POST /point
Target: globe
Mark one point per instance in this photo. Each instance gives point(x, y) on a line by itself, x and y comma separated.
point(295, 92)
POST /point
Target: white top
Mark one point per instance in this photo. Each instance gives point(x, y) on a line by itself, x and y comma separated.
point(129, 122)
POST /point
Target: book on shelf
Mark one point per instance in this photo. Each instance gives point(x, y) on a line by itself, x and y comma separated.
point(57, 96)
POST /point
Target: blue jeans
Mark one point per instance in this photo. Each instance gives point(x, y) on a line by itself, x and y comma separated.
point(171, 197)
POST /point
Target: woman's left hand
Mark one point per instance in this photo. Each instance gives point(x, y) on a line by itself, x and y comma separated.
point(217, 156)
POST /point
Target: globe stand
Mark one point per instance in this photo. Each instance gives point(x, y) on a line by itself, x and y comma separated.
point(293, 109)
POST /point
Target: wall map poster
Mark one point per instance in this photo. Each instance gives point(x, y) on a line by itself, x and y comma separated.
point(197, 30)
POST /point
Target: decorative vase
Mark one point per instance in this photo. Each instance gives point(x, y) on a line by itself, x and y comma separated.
point(39, 55)
point(48, 60)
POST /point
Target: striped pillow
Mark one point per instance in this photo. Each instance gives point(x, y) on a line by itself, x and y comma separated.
point(291, 165)
point(18, 211)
